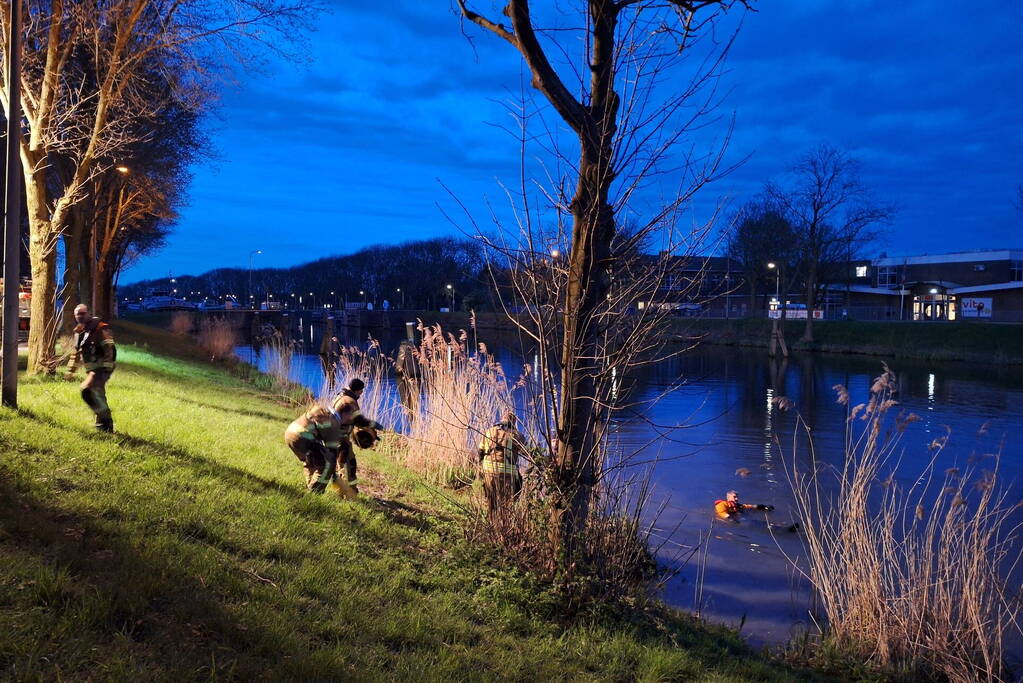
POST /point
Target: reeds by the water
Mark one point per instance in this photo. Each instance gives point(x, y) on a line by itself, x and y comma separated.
point(909, 578)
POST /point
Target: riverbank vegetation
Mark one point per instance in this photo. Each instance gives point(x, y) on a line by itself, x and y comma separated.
point(185, 547)
point(912, 579)
point(963, 341)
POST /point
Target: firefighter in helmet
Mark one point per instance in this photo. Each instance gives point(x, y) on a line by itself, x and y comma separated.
point(315, 437)
point(94, 348)
point(499, 452)
point(346, 405)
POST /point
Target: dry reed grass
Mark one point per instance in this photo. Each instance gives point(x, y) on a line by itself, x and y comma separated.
point(910, 579)
point(460, 391)
point(217, 337)
point(181, 323)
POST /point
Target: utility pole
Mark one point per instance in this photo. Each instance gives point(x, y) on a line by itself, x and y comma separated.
point(12, 218)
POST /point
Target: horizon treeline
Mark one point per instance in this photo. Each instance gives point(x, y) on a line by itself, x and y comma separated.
point(420, 271)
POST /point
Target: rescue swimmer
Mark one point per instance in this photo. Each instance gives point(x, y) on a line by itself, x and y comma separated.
point(95, 349)
point(346, 407)
point(731, 508)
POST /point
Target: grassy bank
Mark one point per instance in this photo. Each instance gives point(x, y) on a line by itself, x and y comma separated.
point(184, 548)
point(974, 342)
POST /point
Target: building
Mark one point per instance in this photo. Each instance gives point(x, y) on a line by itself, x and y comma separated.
point(984, 284)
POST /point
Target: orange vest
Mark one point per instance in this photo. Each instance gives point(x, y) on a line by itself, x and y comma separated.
point(727, 507)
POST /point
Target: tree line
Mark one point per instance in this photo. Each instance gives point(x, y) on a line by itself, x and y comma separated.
point(809, 226)
point(113, 97)
point(414, 275)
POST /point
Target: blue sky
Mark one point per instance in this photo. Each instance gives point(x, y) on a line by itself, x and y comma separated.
point(396, 114)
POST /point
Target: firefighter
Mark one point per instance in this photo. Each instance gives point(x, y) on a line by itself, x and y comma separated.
point(315, 437)
point(731, 508)
point(499, 452)
point(346, 405)
point(94, 348)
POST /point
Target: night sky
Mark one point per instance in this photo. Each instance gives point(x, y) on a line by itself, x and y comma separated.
point(395, 108)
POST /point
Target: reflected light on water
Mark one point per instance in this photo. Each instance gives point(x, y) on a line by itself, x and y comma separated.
point(930, 391)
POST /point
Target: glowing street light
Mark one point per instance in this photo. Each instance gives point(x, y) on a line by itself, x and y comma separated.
point(452, 291)
point(251, 254)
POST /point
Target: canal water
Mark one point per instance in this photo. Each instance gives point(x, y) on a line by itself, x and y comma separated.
point(730, 439)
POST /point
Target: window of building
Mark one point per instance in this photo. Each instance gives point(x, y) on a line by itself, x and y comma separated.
point(979, 268)
point(861, 271)
point(887, 276)
point(1016, 271)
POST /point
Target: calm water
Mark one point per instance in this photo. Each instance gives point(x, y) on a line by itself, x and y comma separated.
point(725, 403)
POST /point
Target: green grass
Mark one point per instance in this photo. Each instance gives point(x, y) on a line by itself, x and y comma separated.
point(184, 547)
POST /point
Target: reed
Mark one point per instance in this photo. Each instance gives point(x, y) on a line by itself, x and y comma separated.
point(216, 336)
point(908, 578)
point(181, 323)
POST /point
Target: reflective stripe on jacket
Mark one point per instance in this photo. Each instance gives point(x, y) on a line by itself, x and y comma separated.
point(94, 346)
point(347, 408)
point(500, 446)
point(318, 424)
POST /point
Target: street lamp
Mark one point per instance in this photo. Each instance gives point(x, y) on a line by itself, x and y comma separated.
point(777, 281)
point(452, 291)
point(362, 293)
point(402, 298)
point(251, 254)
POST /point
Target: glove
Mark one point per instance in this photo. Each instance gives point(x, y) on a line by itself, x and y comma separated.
point(768, 508)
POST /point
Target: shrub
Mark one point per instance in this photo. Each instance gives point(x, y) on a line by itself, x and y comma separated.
point(910, 579)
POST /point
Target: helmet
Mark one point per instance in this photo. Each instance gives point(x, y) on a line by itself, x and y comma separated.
point(364, 437)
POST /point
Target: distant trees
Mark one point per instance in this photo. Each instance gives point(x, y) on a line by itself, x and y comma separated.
point(421, 270)
point(834, 216)
point(761, 233)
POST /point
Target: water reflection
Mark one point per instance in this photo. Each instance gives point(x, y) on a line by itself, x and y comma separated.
point(727, 402)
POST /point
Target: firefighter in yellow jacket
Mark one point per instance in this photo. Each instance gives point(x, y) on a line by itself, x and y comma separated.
point(94, 348)
point(346, 406)
point(314, 438)
point(499, 452)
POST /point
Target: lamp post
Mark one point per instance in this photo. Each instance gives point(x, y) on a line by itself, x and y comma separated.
point(362, 293)
point(402, 298)
point(452, 291)
point(251, 254)
point(777, 281)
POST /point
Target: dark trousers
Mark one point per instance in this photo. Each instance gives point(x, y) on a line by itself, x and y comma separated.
point(320, 464)
point(346, 455)
point(94, 393)
point(500, 489)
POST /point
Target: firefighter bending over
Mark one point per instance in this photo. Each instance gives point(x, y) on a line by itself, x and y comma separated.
point(94, 348)
point(346, 405)
point(499, 452)
point(314, 438)
point(731, 508)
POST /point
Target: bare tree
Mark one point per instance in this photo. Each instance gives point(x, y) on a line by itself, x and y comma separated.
point(834, 215)
point(84, 64)
point(760, 234)
point(623, 124)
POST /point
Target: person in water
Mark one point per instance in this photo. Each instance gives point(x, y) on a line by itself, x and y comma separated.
point(731, 508)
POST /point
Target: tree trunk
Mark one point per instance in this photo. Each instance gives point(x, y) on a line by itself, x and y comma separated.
point(43, 331)
point(593, 227)
point(103, 297)
point(811, 304)
point(77, 280)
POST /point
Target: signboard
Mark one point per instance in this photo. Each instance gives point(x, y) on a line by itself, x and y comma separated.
point(971, 307)
point(796, 314)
